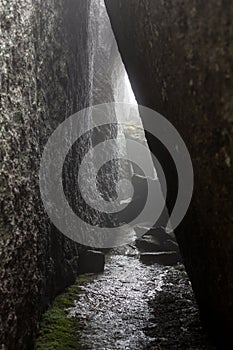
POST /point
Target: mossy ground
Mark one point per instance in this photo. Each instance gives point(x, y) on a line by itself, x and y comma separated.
point(58, 331)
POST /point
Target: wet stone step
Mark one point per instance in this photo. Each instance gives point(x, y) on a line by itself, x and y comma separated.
point(164, 258)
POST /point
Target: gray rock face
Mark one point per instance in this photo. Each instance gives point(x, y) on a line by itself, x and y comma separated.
point(43, 46)
point(179, 59)
point(49, 62)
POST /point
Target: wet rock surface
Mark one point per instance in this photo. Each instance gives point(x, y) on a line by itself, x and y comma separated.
point(175, 316)
point(133, 306)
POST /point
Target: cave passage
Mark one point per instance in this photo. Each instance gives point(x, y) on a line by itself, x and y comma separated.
point(143, 299)
point(64, 289)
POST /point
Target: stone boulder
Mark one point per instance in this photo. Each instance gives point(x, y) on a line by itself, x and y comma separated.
point(148, 244)
point(91, 261)
point(157, 239)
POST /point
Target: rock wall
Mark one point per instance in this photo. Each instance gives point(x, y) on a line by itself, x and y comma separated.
point(179, 59)
point(48, 66)
point(44, 78)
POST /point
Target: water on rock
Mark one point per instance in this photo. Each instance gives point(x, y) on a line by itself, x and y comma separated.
point(135, 306)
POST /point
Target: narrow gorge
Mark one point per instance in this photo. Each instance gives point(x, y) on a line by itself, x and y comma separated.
point(163, 289)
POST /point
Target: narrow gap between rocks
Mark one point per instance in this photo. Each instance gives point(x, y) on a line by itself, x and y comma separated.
point(143, 299)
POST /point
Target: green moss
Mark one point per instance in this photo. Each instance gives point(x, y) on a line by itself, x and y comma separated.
point(58, 331)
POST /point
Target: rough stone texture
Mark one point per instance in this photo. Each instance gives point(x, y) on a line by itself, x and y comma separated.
point(41, 74)
point(179, 59)
point(47, 57)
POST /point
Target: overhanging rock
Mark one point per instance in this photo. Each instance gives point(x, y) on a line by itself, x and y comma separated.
point(179, 59)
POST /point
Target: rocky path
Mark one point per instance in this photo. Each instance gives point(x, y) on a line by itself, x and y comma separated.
point(134, 306)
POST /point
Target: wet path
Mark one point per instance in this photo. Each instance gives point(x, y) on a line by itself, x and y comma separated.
point(133, 306)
